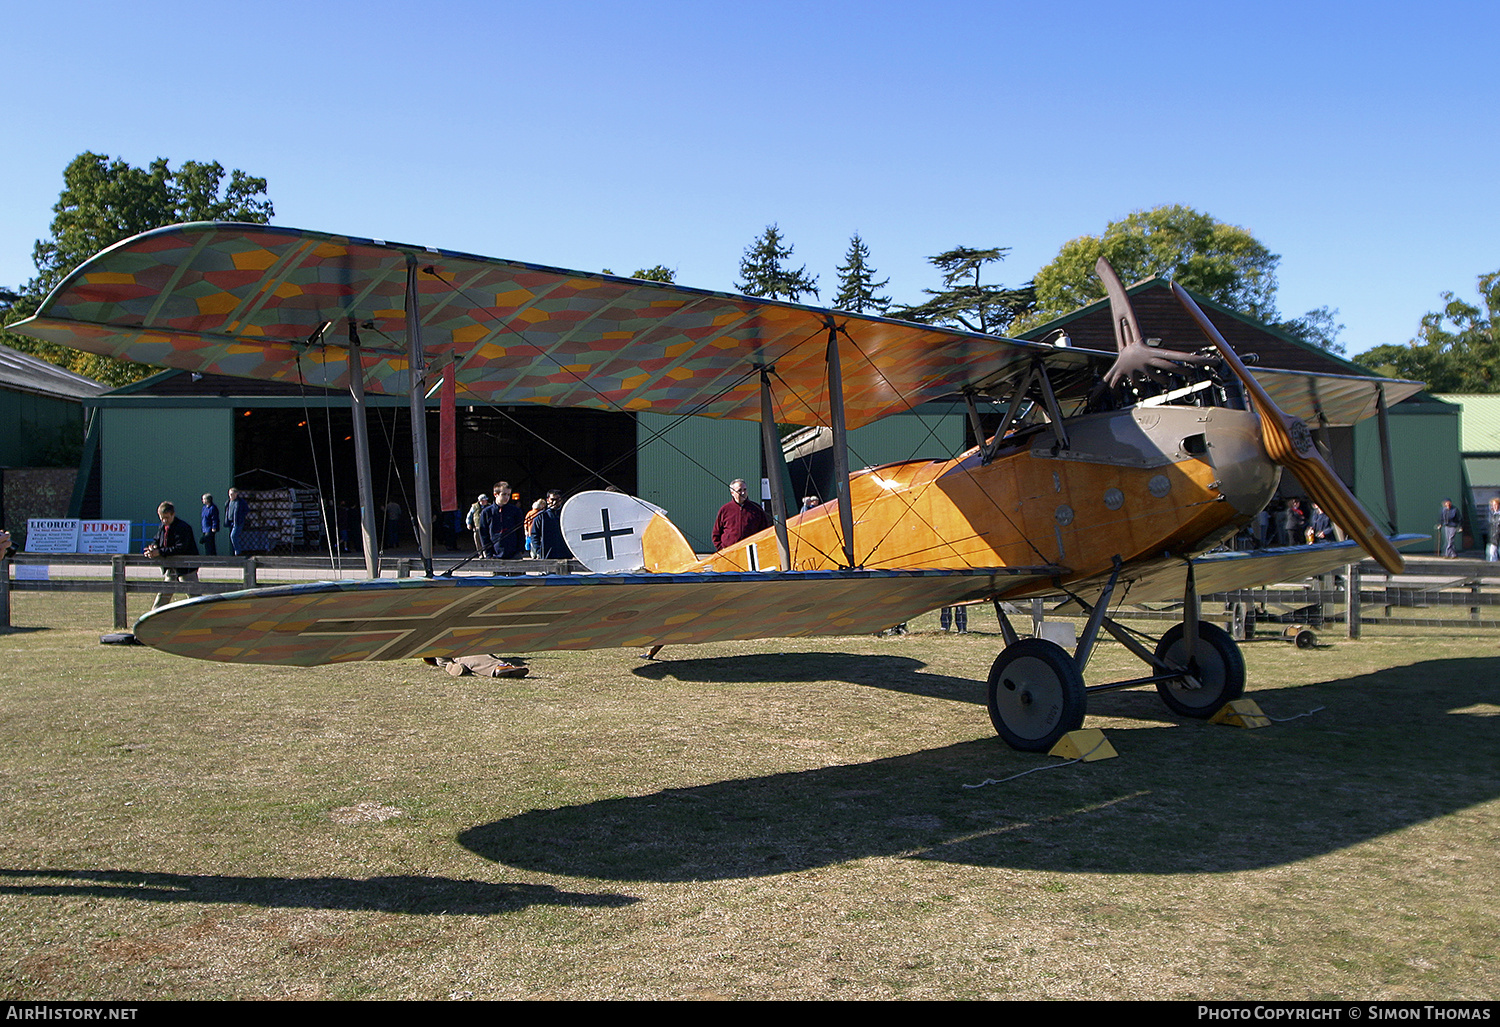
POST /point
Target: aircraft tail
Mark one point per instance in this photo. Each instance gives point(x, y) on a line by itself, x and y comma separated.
point(612, 533)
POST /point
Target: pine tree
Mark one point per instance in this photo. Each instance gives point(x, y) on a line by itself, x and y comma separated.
point(856, 281)
point(763, 273)
point(966, 301)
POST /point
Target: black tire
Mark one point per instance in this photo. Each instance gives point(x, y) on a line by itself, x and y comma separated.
point(1036, 694)
point(1219, 668)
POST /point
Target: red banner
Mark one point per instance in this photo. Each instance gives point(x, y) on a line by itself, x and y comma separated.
point(448, 441)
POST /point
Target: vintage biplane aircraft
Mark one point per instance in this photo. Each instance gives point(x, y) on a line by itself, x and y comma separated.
point(1110, 474)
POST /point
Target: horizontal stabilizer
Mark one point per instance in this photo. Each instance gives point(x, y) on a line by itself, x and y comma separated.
point(612, 533)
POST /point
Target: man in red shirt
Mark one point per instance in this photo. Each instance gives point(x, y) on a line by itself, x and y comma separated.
point(738, 519)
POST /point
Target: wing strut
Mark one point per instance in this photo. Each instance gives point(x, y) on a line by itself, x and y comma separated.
point(1383, 418)
point(775, 468)
point(978, 427)
point(840, 442)
point(417, 368)
point(362, 452)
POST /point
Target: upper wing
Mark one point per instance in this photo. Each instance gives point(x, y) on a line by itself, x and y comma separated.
point(1335, 399)
point(253, 301)
point(391, 619)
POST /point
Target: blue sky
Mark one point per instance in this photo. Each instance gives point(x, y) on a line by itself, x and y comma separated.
point(1357, 140)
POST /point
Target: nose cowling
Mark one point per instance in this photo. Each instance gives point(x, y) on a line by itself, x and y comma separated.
point(1246, 474)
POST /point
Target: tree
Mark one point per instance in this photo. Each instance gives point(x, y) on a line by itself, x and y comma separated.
point(1318, 327)
point(763, 272)
point(965, 301)
point(1222, 262)
point(1457, 349)
point(104, 201)
point(857, 285)
point(659, 273)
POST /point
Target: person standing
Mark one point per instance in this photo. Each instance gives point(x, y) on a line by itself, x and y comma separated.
point(1492, 542)
point(472, 520)
point(1449, 521)
point(739, 518)
point(209, 522)
point(1294, 523)
point(392, 525)
point(531, 516)
point(504, 540)
point(1319, 527)
point(236, 515)
point(547, 542)
point(173, 538)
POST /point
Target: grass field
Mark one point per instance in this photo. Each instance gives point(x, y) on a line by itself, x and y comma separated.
point(783, 819)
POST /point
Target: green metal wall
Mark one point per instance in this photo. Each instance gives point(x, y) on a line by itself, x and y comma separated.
point(39, 431)
point(1426, 459)
point(173, 453)
point(687, 471)
point(924, 436)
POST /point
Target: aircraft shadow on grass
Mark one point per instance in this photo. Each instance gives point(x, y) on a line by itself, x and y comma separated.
point(893, 673)
point(397, 894)
point(1186, 796)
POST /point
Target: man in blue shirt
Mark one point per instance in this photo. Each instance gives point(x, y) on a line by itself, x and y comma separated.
point(209, 521)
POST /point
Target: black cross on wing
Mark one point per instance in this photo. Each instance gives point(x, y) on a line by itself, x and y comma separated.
point(412, 635)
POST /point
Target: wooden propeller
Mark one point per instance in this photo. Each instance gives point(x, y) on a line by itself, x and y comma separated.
point(1288, 441)
point(1136, 360)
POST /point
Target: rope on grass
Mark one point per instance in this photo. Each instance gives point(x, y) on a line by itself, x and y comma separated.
point(1033, 770)
point(1283, 720)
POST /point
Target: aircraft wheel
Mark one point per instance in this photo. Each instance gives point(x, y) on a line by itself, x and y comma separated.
point(1036, 694)
point(1220, 670)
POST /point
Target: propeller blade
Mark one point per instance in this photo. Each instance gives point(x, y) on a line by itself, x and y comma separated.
point(1137, 361)
point(1121, 312)
point(1289, 443)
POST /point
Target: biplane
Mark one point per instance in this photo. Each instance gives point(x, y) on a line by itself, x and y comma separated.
point(1109, 475)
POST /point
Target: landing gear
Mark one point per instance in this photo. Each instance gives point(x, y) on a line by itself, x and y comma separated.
point(1036, 689)
point(1215, 667)
point(1036, 694)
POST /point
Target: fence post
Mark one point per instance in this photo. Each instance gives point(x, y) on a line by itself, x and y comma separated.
point(1351, 599)
point(403, 568)
point(249, 572)
point(122, 614)
point(4, 590)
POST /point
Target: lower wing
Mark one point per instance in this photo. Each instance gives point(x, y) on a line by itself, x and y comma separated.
point(1163, 580)
point(393, 619)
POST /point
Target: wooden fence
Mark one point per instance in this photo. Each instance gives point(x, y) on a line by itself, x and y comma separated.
point(1432, 593)
point(81, 572)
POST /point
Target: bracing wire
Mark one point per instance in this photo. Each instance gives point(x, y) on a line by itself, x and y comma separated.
point(911, 508)
point(966, 470)
point(317, 467)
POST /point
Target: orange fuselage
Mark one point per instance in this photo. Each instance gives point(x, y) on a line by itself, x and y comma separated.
point(1134, 483)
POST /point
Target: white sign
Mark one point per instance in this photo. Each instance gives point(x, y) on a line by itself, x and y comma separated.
point(104, 537)
point(46, 535)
